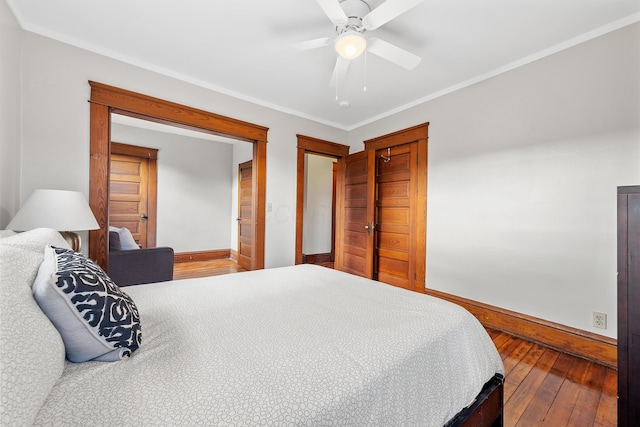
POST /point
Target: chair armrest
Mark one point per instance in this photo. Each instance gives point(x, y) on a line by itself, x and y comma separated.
point(138, 266)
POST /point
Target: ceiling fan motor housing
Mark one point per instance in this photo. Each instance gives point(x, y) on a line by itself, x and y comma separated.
point(355, 11)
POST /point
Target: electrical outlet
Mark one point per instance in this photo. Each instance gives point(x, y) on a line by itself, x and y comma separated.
point(599, 320)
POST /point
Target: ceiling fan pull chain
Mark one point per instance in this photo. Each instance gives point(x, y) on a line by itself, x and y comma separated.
point(335, 72)
point(365, 72)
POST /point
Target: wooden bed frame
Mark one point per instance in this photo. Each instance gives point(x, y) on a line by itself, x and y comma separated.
point(486, 410)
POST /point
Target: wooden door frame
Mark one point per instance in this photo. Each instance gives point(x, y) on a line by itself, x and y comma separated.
point(151, 154)
point(420, 135)
point(107, 99)
point(310, 145)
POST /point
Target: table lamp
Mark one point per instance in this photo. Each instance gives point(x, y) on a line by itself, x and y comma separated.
point(65, 211)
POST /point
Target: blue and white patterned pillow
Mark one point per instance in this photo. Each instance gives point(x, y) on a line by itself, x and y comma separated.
point(97, 320)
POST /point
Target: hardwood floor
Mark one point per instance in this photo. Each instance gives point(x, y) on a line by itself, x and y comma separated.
point(186, 270)
point(543, 387)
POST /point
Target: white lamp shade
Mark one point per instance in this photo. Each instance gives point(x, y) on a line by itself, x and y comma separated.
point(58, 209)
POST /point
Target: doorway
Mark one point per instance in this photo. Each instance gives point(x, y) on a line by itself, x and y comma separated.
point(308, 145)
point(319, 207)
point(107, 99)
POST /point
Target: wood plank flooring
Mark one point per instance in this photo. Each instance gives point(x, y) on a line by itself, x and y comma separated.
point(543, 387)
point(186, 270)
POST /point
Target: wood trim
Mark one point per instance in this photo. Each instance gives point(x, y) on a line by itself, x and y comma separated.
point(404, 136)
point(202, 255)
point(100, 127)
point(574, 341)
point(300, 170)
point(319, 146)
point(307, 144)
point(106, 99)
point(334, 172)
point(316, 258)
point(259, 194)
point(372, 182)
point(134, 150)
point(420, 207)
point(158, 110)
point(152, 203)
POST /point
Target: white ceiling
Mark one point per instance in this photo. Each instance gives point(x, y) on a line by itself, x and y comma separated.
point(238, 47)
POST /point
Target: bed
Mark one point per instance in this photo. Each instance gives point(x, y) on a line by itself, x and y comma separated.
point(301, 345)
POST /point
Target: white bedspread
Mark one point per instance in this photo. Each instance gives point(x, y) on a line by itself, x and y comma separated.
point(301, 345)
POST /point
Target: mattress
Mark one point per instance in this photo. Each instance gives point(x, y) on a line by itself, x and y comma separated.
point(302, 345)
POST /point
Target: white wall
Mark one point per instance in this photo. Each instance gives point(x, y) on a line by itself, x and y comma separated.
point(194, 188)
point(316, 236)
point(55, 140)
point(523, 170)
point(10, 44)
point(196, 204)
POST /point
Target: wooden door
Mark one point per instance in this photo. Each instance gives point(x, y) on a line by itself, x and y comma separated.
point(394, 260)
point(132, 191)
point(245, 215)
point(354, 248)
point(382, 210)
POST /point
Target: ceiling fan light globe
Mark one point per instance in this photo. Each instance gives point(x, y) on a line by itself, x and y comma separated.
point(350, 44)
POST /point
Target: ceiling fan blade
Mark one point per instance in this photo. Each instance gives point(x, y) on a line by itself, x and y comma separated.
point(386, 12)
point(339, 71)
point(333, 10)
point(308, 45)
point(393, 53)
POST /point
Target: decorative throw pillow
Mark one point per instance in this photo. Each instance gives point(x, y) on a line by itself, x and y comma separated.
point(127, 242)
point(97, 320)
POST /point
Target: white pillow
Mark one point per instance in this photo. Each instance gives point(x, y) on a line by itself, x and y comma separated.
point(31, 349)
point(96, 319)
point(127, 242)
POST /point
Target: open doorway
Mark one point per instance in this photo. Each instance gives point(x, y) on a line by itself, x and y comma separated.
point(332, 153)
point(318, 235)
point(106, 100)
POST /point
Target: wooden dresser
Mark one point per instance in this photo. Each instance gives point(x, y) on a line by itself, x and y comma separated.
point(628, 305)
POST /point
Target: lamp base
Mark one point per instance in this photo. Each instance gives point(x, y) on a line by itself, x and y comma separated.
point(73, 239)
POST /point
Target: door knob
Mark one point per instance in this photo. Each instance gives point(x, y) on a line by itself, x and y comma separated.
point(144, 217)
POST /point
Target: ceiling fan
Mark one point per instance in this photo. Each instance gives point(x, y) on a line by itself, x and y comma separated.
point(352, 18)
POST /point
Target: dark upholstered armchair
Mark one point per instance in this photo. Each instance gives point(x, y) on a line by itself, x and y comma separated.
point(138, 266)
